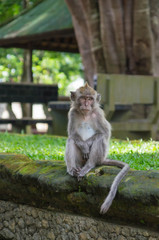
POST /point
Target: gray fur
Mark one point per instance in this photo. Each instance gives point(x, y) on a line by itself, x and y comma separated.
point(81, 156)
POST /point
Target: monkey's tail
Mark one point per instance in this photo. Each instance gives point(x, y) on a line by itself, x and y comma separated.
point(109, 199)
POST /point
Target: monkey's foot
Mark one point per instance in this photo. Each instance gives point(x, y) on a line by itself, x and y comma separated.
point(81, 174)
point(76, 171)
point(79, 178)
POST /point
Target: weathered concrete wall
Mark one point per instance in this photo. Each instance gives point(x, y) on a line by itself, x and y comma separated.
point(33, 193)
point(24, 222)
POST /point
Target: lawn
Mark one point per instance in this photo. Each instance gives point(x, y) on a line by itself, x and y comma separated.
point(140, 155)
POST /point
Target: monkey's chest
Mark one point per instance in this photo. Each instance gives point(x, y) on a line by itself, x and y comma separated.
point(85, 131)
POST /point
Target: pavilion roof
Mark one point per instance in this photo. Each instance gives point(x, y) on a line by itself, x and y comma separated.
point(46, 26)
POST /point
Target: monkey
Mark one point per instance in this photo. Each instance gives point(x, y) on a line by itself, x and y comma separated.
point(88, 140)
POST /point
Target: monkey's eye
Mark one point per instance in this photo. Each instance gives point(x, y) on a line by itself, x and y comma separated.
point(82, 98)
point(89, 98)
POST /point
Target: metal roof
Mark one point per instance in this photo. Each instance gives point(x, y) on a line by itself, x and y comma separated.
point(46, 26)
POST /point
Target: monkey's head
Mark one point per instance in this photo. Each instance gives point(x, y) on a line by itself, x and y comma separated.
point(85, 98)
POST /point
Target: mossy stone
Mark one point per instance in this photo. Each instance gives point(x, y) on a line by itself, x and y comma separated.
point(46, 184)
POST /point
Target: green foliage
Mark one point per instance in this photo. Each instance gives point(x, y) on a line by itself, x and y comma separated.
point(11, 65)
point(56, 67)
point(140, 155)
point(48, 67)
point(11, 8)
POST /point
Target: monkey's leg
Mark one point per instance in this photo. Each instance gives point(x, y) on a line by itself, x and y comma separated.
point(125, 168)
point(73, 157)
point(97, 155)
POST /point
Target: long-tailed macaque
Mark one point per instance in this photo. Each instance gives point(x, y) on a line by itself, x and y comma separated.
point(88, 139)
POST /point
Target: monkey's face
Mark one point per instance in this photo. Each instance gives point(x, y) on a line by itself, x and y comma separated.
point(85, 99)
point(86, 103)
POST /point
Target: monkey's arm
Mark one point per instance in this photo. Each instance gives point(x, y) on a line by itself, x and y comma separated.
point(104, 127)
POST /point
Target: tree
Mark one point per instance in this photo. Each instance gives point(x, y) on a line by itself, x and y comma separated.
point(11, 8)
point(57, 67)
point(117, 36)
point(48, 67)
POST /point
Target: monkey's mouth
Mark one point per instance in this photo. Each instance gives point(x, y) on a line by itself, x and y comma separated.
point(83, 108)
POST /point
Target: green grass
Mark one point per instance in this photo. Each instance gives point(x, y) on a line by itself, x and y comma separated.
point(37, 147)
point(140, 155)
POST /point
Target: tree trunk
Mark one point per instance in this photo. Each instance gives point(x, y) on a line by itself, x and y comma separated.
point(112, 32)
point(142, 38)
point(154, 16)
point(83, 38)
point(128, 31)
point(117, 36)
point(93, 23)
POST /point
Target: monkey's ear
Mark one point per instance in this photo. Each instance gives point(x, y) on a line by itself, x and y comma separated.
point(98, 97)
point(73, 96)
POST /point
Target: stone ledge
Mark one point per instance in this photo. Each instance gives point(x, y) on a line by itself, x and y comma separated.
point(45, 184)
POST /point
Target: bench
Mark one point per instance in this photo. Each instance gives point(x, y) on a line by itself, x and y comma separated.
point(27, 93)
point(59, 112)
point(131, 103)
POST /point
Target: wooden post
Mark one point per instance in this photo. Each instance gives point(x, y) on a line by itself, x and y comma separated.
point(27, 66)
point(27, 77)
